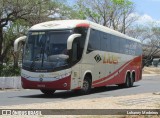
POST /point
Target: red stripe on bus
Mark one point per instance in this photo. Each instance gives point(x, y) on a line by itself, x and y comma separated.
point(99, 80)
point(132, 65)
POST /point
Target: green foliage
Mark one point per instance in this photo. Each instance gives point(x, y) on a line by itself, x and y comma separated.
point(13, 31)
point(16, 16)
point(111, 13)
point(123, 2)
point(6, 71)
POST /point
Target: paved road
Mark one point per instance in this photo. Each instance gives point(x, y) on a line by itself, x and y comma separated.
point(148, 84)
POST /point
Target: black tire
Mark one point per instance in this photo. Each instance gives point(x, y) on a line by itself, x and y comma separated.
point(120, 85)
point(126, 84)
point(47, 92)
point(86, 86)
point(131, 82)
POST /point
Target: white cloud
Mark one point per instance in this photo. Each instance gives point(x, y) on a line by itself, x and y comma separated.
point(145, 19)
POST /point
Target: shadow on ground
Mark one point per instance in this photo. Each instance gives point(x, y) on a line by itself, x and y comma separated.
point(70, 94)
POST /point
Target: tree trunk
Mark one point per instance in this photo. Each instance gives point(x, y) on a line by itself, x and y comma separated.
point(15, 58)
point(1, 42)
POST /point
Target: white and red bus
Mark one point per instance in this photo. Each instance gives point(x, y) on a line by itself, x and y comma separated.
point(78, 55)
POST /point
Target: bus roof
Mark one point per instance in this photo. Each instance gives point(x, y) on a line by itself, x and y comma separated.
point(70, 24)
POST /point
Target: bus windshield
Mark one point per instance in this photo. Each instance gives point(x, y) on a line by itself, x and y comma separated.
point(46, 50)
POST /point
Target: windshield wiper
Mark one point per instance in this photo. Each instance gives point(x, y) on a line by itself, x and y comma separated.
point(43, 45)
point(32, 64)
point(42, 54)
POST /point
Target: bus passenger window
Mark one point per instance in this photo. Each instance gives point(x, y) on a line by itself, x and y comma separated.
point(94, 41)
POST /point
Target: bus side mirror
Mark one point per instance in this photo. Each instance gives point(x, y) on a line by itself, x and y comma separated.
point(16, 42)
point(71, 39)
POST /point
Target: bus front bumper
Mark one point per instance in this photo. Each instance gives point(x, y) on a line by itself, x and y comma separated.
point(61, 84)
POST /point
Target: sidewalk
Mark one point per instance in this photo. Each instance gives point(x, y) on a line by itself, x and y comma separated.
point(138, 101)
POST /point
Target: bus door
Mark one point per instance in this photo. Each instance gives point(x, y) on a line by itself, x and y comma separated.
point(76, 67)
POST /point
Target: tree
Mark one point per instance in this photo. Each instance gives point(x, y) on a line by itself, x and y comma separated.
point(14, 30)
point(115, 14)
point(10, 11)
point(150, 38)
point(30, 11)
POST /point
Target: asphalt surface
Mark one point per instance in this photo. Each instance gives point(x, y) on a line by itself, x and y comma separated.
point(148, 84)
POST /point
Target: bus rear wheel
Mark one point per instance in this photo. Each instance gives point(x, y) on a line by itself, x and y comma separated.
point(127, 82)
point(86, 88)
point(47, 92)
point(131, 82)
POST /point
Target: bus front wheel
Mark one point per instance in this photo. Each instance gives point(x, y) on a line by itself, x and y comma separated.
point(47, 92)
point(86, 85)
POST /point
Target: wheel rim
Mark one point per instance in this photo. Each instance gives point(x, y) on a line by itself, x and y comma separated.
point(85, 85)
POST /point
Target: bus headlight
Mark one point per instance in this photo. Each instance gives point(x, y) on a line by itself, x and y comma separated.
point(24, 75)
point(63, 76)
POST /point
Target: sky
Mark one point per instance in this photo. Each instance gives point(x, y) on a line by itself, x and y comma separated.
point(147, 10)
point(148, 7)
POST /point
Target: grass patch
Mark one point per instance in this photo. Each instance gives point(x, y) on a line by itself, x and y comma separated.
point(7, 71)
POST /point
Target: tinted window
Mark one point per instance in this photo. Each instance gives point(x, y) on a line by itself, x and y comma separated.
point(122, 43)
point(114, 43)
point(103, 42)
point(107, 42)
point(81, 40)
point(139, 49)
point(130, 47)
point(94, 40)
